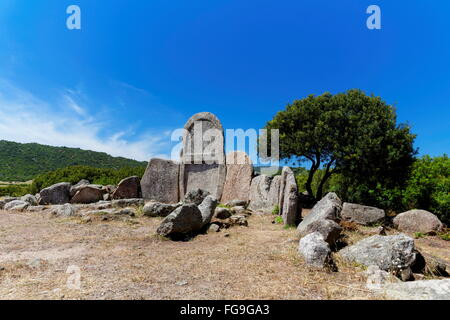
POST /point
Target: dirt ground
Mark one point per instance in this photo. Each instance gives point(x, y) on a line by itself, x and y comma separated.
point(125, 259)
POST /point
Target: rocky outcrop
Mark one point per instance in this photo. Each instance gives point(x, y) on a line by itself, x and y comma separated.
point(390, 253)
point(156, 209)
point(418, 221)
point(56, 194)
point(418, 290)
point(363, 215)
point(315, 250)
point(128, 188)
point(16, 205)
point(329, 208)
point(88, 194)
point(183, 220)
point(329, 230)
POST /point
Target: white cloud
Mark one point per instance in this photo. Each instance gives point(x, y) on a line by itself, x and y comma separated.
point(25, 118)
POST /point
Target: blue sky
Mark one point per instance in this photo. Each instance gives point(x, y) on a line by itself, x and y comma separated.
point(139, 69)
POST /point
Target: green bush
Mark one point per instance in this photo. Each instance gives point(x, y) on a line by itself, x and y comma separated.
point(15, 190)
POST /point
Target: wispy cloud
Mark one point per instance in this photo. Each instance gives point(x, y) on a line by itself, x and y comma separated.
point(26, 118)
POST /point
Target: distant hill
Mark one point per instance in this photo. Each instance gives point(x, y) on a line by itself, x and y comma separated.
point(22, 162)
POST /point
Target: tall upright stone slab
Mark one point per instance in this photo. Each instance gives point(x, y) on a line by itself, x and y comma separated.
point(238, 178)
point(263, 193)
point(160, 181)
point(288, 197)
point(203, 163)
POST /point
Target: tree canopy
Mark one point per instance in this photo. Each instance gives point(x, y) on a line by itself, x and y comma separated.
point(349, 133)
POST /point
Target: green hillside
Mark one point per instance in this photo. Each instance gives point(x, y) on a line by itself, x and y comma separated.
point(23, 162)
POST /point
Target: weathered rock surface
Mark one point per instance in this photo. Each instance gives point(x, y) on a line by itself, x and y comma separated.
point(274, 191)
point(65, 210)
point(88, 194)
point(363, 215)
point(16, 205)
point(157, 209)
point(419, 290)
point(128, 188)
point(288, 199)
point(32, 201)
point(123, 203)
point(196, 196)
point(56, 194)
point(260, 199)
point(329, 230)
point(9, 199)
point(160, 181)
point(75, 188)
point(207, 209)
point(2, 204)
point(315, 250)
point(377, 278)
point(237, 202)
point(184, 219)
point(389, 253)
point(222, 213)
point(328, 208)
point(417, 221)
point(239, 176)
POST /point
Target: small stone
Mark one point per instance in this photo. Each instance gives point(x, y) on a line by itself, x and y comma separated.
point(214, 228)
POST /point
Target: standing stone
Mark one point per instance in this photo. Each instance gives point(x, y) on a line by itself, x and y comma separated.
point(56, 194)
point(417, 221)
point(259, 194)
point(238, 178)
point(202, 158)
point(128, 188)
point(274, 191)
point(160, 181)
point(207, 209)
point(288, 199)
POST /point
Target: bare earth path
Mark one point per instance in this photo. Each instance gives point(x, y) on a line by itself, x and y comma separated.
point(126, 260)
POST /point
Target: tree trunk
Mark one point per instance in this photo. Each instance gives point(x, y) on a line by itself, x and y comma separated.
point(326, 176)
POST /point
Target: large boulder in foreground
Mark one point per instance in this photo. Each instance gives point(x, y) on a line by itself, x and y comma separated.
point(389, 253)
point(363, 215)
point(184, 220)
point(128, 188)
point(418, 290)
point(56, 194)
point(418, 221)
point(88, 194)
point(315, 250)
point(328, 208)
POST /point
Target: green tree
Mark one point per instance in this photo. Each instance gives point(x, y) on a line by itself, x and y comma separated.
point(348, 133)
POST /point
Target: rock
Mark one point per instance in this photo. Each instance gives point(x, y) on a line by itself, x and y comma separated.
point(86, 219)
point(2, 204)
point(196, 196)
point(156, 209)
point(75, 188)
point(389, 253)
point(16, 205)
point(107, 197)
point(32, 201)
point(328, 208)
point(160, 182)
point(274, 192)
point(239, 176)
point(360, 214)
point(9, 199)
point(185, 219)
point(315, 250)
point(237, 202)
point(260, 196)
point(203, 155)
point(222, 213)
point(207, 209)
point(128, 188)
point(418, 290)
point(329, 230)
point(56, 194)
point(88, 194)
point(239, 210)
point(418, 221)
point(123, 203)
point(214, 228)
point(377, 278)
point(288, 198)
point(125, 212)
point(65, 210)
point(36, 208)
point(238, 220)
